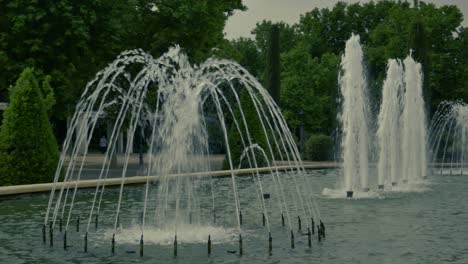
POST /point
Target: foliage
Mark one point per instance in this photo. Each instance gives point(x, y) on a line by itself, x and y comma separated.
point(68, 40)
point(309, 90)
point(245, 52)
point(197, 26)
point(287, 39)
point(48, 94)
point(311, 50)
point(71, 40)
point(318, 147)
point(28, 150)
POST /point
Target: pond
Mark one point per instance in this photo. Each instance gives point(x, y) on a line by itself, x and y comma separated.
point(425, 226)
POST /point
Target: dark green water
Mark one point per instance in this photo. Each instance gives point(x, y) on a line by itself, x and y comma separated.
point(429, 226)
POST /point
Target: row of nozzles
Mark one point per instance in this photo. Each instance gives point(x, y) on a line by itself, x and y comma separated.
point(310, 232)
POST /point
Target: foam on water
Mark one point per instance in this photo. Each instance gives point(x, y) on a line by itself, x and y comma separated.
point(411, 187)
point(341, 194)
point(165, 236)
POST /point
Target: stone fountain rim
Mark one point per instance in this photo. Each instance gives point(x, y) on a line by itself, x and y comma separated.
point(45, 187)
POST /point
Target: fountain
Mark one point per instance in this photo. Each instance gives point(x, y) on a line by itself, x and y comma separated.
point(449, 137)
point(354, 118)
point(389, 125)
point(166, 103)
point(413, 127)
point(401, 131)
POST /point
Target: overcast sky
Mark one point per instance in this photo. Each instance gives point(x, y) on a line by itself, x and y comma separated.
point(242, 23)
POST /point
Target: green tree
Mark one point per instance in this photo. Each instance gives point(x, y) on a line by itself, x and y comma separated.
point(245, 52)
point(262, 32)
point(308, 90)
point(68, 40)
point(48, 93)
point(28, 150)
point(197, 26)
point(71, 40)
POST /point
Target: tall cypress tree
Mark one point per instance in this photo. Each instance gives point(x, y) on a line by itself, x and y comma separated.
point(28, 150)
point(273, 71)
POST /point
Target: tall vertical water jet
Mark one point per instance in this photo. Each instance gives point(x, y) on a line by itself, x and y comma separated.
point(389, 124)
point(413, 133)
point(354, 118)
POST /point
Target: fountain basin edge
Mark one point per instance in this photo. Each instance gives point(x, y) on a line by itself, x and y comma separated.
point(45, 187)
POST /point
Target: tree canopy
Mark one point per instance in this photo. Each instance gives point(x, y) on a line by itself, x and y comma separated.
point(71, 40)
point(311, 51)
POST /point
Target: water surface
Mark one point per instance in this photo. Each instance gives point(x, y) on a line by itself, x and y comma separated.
point(427, 226)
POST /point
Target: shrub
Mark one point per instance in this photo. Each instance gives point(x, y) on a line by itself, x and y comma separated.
point(318, 147)
point(28, 150)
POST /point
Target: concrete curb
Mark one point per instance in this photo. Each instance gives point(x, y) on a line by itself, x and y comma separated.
point(44, 187)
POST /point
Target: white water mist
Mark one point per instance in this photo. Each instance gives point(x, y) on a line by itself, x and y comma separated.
point(388, 132)
point(413, 132)
point(354, 117)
